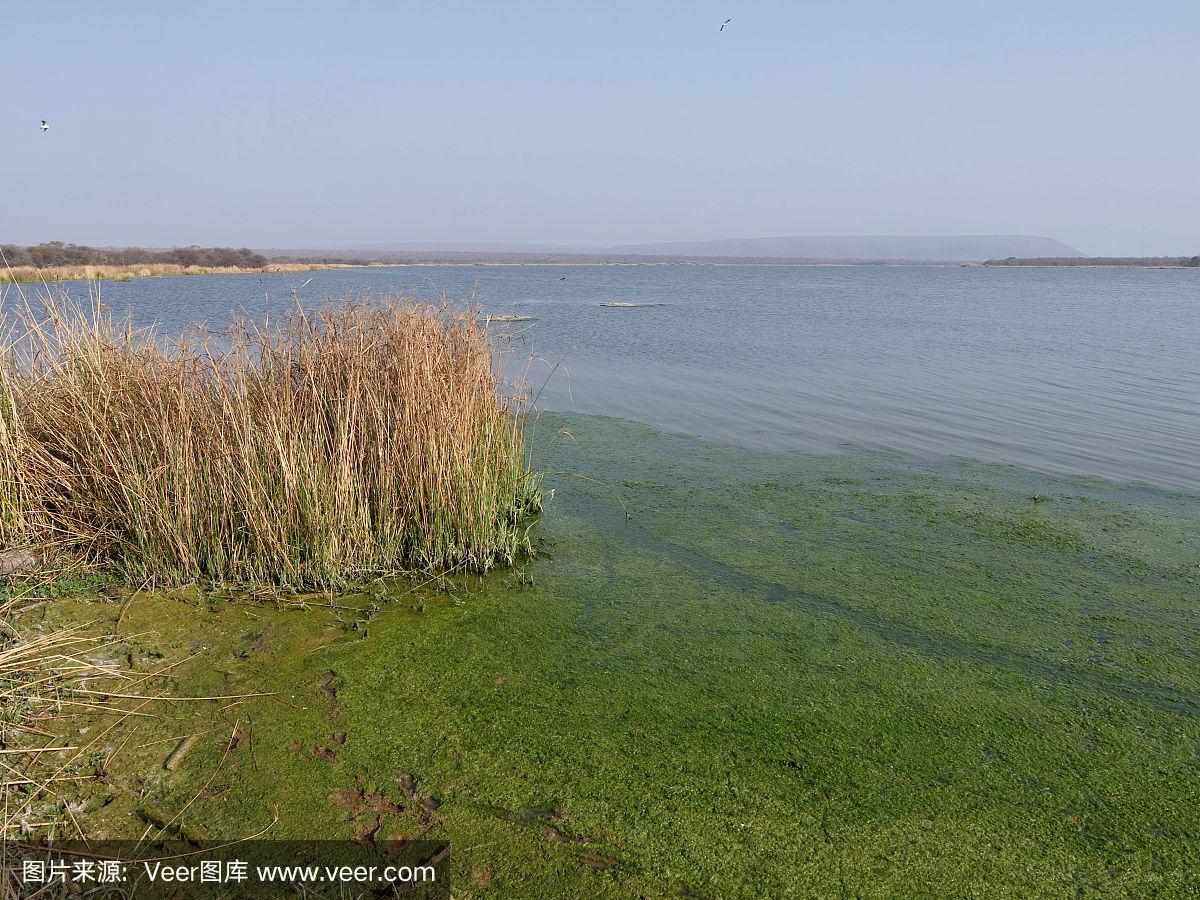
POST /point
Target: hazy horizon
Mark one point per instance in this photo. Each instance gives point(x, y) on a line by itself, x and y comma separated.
point(815, 247)
point(282, 126)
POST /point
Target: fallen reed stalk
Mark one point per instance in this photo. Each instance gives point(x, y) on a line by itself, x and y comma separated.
point(39, 672)
point(356, 440)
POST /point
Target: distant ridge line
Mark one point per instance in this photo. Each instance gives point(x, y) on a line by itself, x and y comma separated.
point(470, 257)
point(874, 248)
point(950, 248)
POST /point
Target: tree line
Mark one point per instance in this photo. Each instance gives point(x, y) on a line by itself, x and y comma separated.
point(1157, 262)
point(56, 253)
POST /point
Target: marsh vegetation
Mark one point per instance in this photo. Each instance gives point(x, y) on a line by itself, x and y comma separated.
point(335, 444)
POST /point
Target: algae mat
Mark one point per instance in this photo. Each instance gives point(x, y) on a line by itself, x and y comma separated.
point(727, 674)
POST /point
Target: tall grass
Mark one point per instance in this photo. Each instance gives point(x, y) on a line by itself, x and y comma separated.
point(354, 440)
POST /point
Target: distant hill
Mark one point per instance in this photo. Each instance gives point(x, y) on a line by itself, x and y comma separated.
point(962, 248)
point(478, 247)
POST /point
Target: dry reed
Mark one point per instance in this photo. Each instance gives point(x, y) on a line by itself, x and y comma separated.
point(355, 440)
point(47, 274)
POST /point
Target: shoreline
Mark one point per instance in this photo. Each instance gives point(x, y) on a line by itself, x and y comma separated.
point(55, 274)
point(1079, 266)
point(29, 275)
point(50, 274)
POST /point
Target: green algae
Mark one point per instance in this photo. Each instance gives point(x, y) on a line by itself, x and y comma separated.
point(754, 675)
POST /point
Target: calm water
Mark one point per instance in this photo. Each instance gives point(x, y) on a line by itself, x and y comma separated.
point(1078, 371)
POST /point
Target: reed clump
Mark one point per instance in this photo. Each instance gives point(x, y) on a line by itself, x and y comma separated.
point(354, 440)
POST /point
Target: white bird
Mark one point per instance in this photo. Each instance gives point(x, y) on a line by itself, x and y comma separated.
point(723, 24)
point(45, 126)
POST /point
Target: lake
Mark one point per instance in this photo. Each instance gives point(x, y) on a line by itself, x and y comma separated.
point(728, 671)
point(1082, 371)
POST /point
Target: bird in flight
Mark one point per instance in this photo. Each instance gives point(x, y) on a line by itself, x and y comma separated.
point(45, 126)
point(723, 24)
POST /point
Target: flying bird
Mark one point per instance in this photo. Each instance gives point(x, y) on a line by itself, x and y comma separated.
point(723, 24)
point(45, 126)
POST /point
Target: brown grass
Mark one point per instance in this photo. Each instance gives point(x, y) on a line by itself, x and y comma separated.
point(34, 274)
point(355, 440)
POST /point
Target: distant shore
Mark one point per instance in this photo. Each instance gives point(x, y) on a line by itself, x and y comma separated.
point(34, 274)
point(481, 258)
point(48, 274)
point(1098, 262)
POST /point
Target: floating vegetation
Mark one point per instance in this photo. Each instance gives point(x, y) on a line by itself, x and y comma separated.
point(909, 671)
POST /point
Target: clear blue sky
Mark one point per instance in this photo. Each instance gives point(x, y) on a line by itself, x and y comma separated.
point(322, 124)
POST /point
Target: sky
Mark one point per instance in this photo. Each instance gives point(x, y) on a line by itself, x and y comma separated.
point(333, 124)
